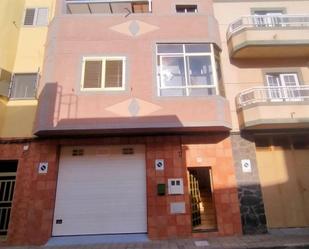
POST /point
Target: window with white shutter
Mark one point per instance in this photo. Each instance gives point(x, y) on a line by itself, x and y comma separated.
point(42, 17)
point(36, 17)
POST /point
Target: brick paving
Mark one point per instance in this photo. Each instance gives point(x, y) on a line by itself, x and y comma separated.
point(236, 242)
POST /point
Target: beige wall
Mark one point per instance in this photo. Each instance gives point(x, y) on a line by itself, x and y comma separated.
point(27, 55)
point(240, 75)
point(10, 23)
point(275, 115)
point(18, 119)
point(31, 44)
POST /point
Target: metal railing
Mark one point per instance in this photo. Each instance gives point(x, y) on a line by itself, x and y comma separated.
point(272, 94)
point(7, 185)
point(268, 21)
point(108, 1)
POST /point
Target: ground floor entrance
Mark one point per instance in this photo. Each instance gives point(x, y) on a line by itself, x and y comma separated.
point(123, 185)
point(101, 190)
point(202, 201)
point(283, 164)
point(7, 185)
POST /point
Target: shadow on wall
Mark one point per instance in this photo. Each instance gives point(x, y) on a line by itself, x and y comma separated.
point(52, 101)
point(268, 63)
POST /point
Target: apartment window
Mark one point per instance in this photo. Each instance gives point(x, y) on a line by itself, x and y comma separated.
point(268, 18)
point(283, 86)
point(104, 73)
point(186, 70)
point(24, 86)
point(107, 7)
point(36, 17)
point(186, 8)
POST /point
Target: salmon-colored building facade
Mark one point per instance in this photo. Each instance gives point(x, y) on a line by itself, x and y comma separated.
point(133, 118)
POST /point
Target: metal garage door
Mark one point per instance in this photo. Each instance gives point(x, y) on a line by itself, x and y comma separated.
point(283, 164)
point(101, 190)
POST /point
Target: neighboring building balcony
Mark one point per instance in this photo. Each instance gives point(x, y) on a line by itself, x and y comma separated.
point(273, 107)
point(269, 36)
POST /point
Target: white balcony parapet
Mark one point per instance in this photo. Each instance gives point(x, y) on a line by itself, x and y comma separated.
point(272, 94)
point(267, 22)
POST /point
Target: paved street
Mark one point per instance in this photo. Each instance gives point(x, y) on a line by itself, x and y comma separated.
point(278, 241)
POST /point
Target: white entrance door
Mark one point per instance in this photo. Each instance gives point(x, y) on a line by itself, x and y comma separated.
point(101, 190)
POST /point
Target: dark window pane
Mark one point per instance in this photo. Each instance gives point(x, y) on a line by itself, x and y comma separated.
point(186, 8)
point(170, 48)
point(113, 73)
point(29, 17)
point(24, 86)
point(93, 74)
point(198, 48)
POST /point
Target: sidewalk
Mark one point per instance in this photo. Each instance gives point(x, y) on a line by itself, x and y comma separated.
point(274, 241)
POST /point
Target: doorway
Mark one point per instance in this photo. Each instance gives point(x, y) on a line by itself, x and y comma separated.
point(203, 210)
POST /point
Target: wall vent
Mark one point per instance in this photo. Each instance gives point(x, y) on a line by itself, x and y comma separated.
point(127, 151)
point(77, 152)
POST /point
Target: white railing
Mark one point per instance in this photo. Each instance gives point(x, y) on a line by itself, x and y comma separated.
point(272, 94)
point(268, 21)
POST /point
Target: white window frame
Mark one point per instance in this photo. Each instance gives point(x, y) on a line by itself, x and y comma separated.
point(103, 59)
point(184, 55)
point(13, 82)
point(282, 89)
point(36, 12)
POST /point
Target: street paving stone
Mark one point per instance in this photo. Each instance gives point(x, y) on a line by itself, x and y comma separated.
point(280, 241)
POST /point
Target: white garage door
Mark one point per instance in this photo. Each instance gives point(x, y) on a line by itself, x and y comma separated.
point(101, 190)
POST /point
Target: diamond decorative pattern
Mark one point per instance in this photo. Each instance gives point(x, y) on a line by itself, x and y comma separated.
point(134, 28)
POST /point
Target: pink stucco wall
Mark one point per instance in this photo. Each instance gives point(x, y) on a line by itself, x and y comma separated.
point(64, 107)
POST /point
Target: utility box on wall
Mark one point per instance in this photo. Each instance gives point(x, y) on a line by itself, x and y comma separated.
point(161, 189)
point(175, 186)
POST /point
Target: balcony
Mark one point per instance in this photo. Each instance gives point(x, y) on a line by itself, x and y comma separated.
point(275, 36)
point(273, 108)
point(108, 6)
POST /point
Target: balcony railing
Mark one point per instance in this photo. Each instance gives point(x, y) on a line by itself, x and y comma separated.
point(272, 94)
point(108, 6)
point(268, 21)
